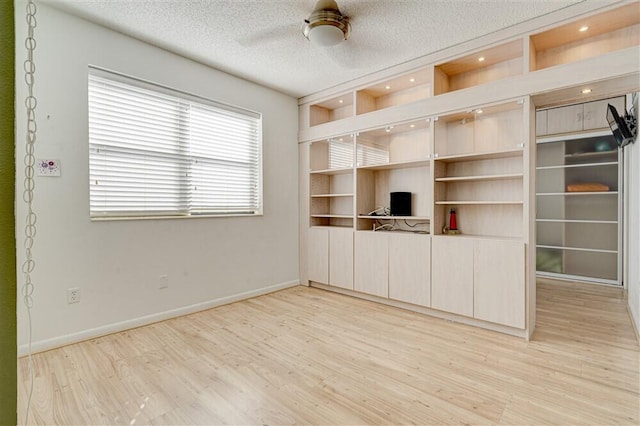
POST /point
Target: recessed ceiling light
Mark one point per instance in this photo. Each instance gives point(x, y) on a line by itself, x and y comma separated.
point(411, 80)
point(583, 28)
point(481, 58)
point(340, 101)
point(479, 111)
point(387, 87)
point(412, 126)
point(585, 91)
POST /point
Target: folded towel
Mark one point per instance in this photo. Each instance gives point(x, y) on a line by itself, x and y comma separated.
point(587, 187)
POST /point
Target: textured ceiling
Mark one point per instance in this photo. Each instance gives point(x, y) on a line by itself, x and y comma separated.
point(262, 41)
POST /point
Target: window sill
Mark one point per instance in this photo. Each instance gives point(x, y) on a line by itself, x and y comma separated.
point(199, 216)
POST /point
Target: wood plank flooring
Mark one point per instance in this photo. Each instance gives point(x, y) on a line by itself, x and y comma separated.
point(305, 355)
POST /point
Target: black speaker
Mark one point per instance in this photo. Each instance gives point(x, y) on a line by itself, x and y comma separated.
point(400, 204)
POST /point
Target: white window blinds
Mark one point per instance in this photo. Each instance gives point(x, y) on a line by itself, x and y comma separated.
point(340, 153)
point(153, 152)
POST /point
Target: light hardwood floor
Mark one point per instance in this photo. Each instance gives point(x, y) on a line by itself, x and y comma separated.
point(304, 355)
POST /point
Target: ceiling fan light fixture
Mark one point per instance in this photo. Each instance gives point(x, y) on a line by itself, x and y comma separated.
point(326, 26)
point(325, 35)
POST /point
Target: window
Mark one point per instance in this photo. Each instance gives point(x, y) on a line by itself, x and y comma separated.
point(155, 152)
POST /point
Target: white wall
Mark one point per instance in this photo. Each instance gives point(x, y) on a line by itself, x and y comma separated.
point(632, 170)
point(117, 264)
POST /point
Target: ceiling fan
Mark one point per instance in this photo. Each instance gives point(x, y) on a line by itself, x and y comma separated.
point(326, 26)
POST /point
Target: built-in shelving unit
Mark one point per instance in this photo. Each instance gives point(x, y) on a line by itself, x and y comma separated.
point(483, 66)
point(333, 109)
point(478, 165)
point(456, 130)
point(578, 203)
point(331, 182)
point(586, 38)
point(395, 158)
point(400, 90)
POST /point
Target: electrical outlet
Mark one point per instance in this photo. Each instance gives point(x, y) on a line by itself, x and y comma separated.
point(163, 282)
point(73, 295)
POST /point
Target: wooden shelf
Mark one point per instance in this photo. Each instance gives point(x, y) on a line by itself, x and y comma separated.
point(395, 217)
point(479, 203)
point(576, 249)
point(478, 237)
point(578, 193)
point(331, 195)
point(596, 222)
point(333, 216)
point(595, 154)
point(569, 166)
point(332, 171)
point(454, 179)
point(513, 152)
point(330, 226)
point(397, 165)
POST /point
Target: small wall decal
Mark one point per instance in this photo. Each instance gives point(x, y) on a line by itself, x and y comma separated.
point(48, 167)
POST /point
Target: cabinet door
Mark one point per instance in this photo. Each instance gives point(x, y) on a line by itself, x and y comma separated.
point(372, 263)
point(318, 255)
point(410, 268)
point(499, 274)
point(595, 113)
point(341, 257)
point(541, 123)
point(564, 119)
point(452, 275)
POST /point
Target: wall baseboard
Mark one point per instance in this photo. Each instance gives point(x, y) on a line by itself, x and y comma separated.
point(633, 322)
point(56, 342)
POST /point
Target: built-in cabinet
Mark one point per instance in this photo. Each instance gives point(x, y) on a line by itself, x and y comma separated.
point(372, 263)
point(410, 268)
point(331, 256)
point(452, 275)
point(480, 278)
point(499, 282)
point(575, 118)
point(579, 201)
point(471, 161)
point(394, 265)
point(458, 133)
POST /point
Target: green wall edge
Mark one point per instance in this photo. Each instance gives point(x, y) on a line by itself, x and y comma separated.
point(8, 345)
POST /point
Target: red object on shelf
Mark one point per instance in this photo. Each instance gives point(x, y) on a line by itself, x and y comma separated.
point(453, 223)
